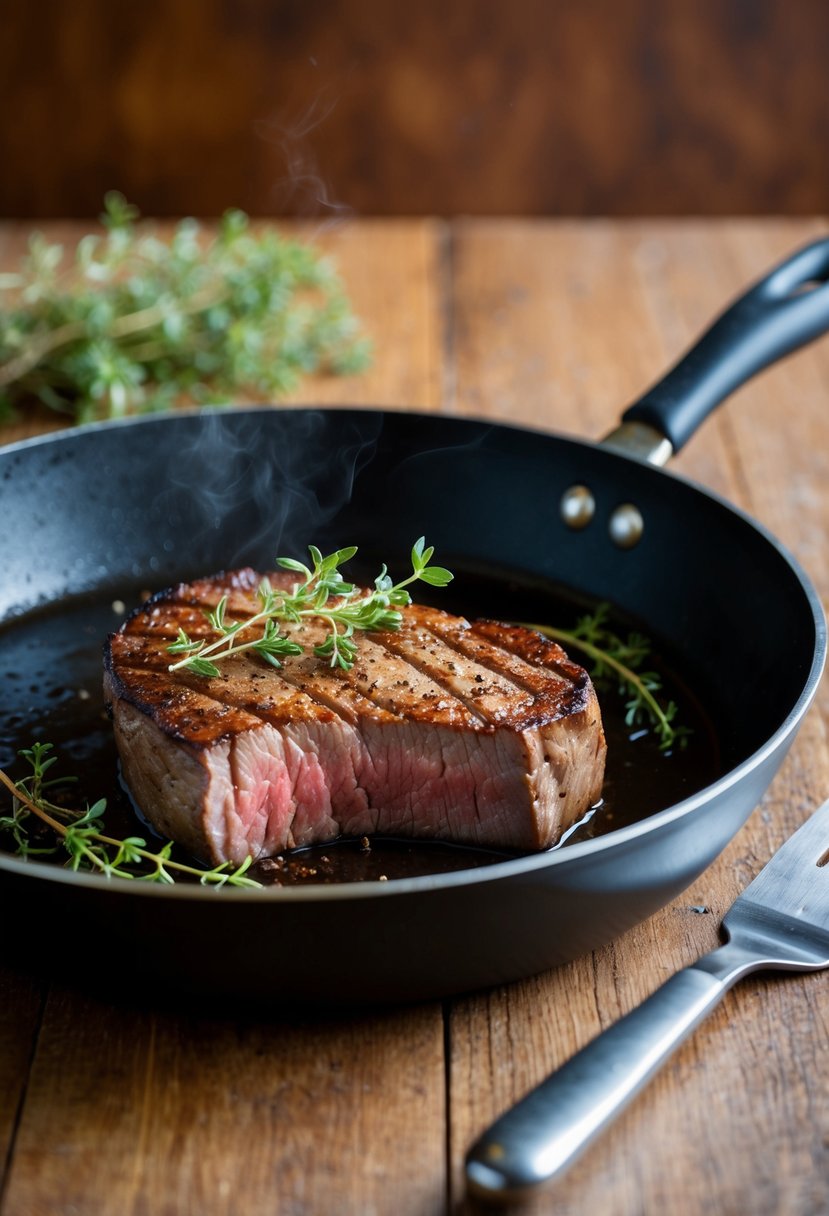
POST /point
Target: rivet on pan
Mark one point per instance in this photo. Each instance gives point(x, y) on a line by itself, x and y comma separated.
point(626, 526)
point(578, 506)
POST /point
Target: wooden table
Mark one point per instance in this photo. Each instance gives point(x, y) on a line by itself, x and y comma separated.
point(107, 1109)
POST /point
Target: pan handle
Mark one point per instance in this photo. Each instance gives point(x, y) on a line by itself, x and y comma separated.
point(779, 314)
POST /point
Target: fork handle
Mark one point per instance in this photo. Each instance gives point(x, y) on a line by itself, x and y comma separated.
point(540, 1136)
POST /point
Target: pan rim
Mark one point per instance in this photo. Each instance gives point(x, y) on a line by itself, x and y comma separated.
point(574, 854)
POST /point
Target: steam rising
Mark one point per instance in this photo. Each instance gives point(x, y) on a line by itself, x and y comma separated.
point(269, 481)
point(303, 190)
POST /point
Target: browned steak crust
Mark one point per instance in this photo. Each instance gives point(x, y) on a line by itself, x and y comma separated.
point(481, 733)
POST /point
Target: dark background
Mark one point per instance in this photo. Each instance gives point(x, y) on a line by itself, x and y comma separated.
point(522, 107)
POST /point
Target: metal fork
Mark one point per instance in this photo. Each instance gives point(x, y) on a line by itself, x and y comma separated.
point(781, 921)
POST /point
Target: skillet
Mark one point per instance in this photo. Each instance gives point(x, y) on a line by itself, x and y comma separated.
point(142, 503)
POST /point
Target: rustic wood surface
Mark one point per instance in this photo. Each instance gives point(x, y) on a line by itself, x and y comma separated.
point(536, 107)
point(139, 1111)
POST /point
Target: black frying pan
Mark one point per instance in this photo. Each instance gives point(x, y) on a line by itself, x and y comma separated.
point(145, 502)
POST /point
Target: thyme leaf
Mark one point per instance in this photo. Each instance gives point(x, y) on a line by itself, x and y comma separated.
point(621, 659)
point(137, 323)
point(320, 592)
point(80, 834)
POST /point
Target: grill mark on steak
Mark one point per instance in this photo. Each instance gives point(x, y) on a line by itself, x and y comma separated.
point(487, 677)
point(196, 718)
point(381, 678)
point(427, 654)
point(481, 733)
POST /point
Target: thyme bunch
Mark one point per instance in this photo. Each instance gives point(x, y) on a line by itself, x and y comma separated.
point(137, 323)
point(80, 833)
point(621, 659)
point(320, 584)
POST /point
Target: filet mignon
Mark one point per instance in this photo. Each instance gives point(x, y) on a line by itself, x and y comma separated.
point(479, 733)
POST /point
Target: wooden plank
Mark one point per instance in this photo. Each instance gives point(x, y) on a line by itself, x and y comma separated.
point(21, 1004)
point(146, 1113)
point(480, 107)
point(562, 325)
point(392, 274)
point(731, 1124)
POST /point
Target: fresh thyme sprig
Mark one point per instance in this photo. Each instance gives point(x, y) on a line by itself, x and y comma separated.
point(621, 659)
point(352, 609)
point(80, 833)
point(136, 322)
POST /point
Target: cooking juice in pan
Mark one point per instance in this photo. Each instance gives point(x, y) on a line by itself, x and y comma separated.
point(50, 691)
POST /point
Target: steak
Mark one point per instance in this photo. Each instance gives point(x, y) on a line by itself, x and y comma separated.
point(480, 733)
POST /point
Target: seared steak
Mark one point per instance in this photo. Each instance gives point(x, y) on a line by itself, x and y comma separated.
point(479, 733)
